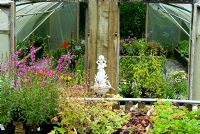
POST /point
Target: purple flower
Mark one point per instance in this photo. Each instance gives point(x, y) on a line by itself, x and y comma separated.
point(37, 68)
point(32, 54)
point(15, 55)
point(67, 57)
point(49, 73)
point(60, 61)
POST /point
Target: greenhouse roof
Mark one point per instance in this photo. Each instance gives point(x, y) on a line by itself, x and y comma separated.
point(30, 16)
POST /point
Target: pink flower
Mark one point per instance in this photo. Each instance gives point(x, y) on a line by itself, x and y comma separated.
point(32, 54)
point(60, 61)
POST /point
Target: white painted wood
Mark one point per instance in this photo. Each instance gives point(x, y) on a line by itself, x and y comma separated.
point(7, 24)
point(195, 55)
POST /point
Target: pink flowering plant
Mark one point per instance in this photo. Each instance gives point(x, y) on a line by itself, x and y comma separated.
point(6, 98)
point(39, 86)
point(36, 87)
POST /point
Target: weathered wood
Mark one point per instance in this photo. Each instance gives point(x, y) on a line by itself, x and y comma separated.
point(195, 55)
point(7, 34)
point(103, 38)
point(91, 41)
point(113, 47)
point(128, 105)
point(12, 28)
point(102, 33)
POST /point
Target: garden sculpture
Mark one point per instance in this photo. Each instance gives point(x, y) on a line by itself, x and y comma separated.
point(102, 85)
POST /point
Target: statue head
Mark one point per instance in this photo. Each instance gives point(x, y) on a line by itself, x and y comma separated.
point(101, 58)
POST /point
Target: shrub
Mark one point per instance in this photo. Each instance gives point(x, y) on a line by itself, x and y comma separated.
point(167, 118)
point(88, 116)
point(144, 75)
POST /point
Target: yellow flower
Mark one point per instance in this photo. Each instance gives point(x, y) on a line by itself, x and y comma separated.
point(67, 78)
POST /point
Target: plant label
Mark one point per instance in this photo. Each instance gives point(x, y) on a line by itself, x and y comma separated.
point(2, 127)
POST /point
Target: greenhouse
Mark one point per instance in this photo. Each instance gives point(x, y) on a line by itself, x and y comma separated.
point(99, 67)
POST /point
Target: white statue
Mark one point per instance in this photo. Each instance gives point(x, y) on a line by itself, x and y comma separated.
point(102, 85)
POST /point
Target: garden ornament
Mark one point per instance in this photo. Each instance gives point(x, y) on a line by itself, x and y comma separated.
point(102, 85)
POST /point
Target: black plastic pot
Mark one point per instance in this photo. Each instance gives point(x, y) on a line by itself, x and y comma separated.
point(48, 127)
point(34, 130)
point(10, 129)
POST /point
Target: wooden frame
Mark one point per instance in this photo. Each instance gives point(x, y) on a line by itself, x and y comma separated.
point(99, 12)
point(10, 33)
point(195, 55)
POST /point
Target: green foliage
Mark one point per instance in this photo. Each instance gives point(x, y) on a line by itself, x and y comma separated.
point(89, 116)
point(127, 84)
point(132, 18)
point(38, 100)
point(140, 46)
point(35, 41)
point(176, 86)
point(149, 77)
point(106, 121)
point(167, 118)
point(6, 99)
point(75, 48)
point(144, 75)
point(80, 66)
point(183, 47)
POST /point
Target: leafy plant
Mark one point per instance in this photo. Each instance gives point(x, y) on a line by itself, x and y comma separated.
point(89, 116)
point(178, 84)
point(167, 118)
point(36, 88)
point(6, 98)
point(75, 50)
point(140, 46)
point(149, 76)
point(39, 101)
point(183, 47)
point(145, 75)
point(36, 41)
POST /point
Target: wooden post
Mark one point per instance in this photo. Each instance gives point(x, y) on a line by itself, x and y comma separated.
point(113, 46)
point(91, 41)
point(103, 38)
point(7, 34)
point(195, 55)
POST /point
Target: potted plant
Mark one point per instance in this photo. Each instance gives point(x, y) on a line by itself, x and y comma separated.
point(37, 91)
point(39, 99)
point(6, 104)
point(87, 117)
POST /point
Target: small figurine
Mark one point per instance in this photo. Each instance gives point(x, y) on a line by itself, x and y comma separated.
point(102, 85)
point(101, 76)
